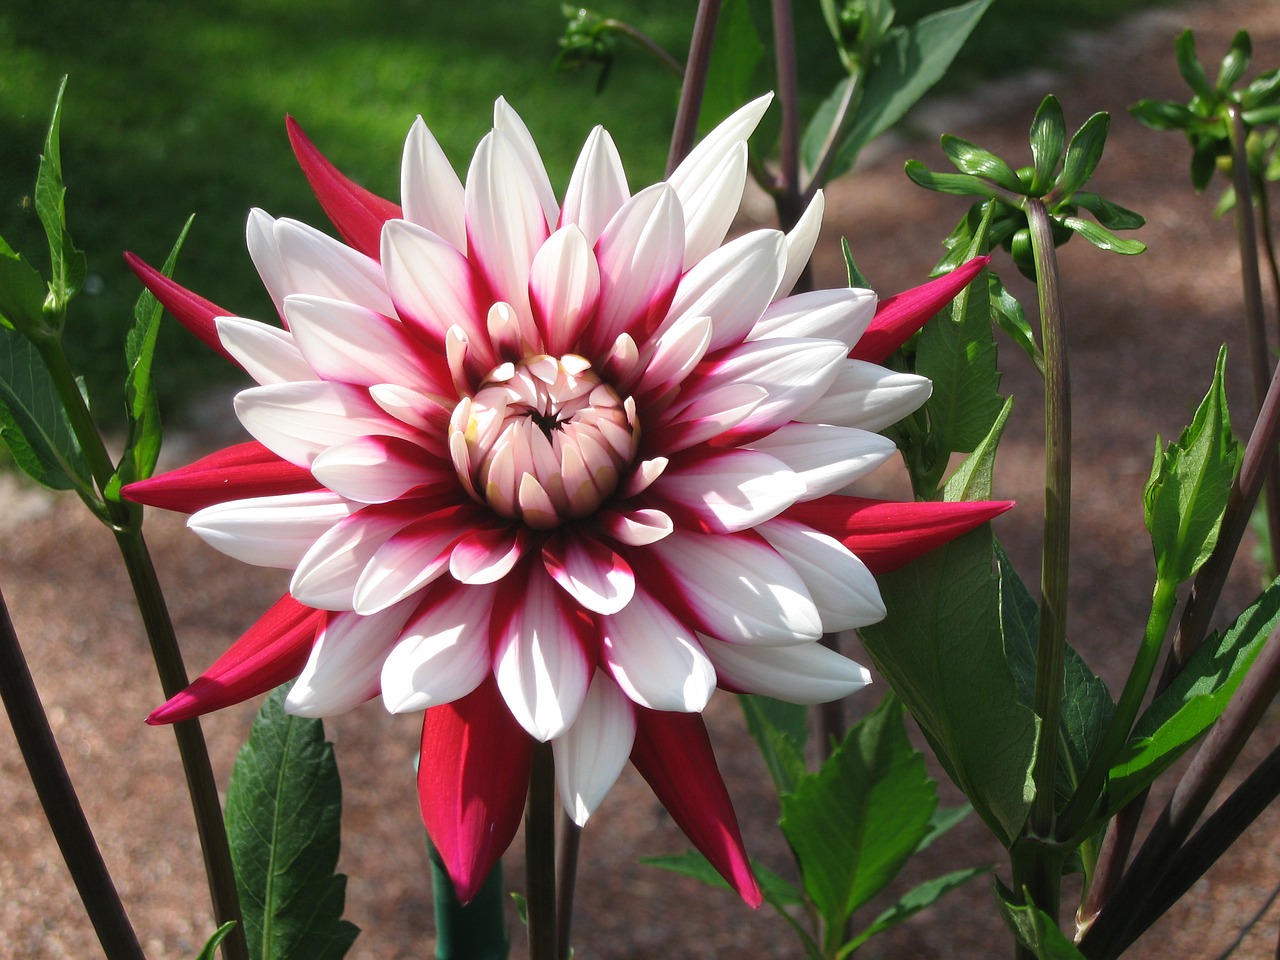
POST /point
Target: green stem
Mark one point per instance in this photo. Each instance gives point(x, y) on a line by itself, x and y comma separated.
point(1268, 241)
point(1050, 654)
point(476, 931)
point(827, 153)
point(125, 521)
point(695, 82)
point(1255, 322)
point(646, 43)
point(566, 880)
point(59, 801)
point(540, 855)
point(787, 197)
point(1078, 811)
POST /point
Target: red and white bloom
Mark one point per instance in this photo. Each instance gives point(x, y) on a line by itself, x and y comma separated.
point(553, 472)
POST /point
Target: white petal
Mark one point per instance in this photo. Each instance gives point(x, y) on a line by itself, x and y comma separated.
point(826, 458)
point(795, 373)
point(808, 673)
point(260, 238)
point(443, 653)
point(352, 344)
point(733, 490)
point(539, 663)
point(841, 585)
point(326, 576)
point(733, 285)
point(509, 122)
point(637, 528)
point(409, 560)
point(740, 587)
point(675, 352)
point(315, 263)
point(868, 396)
point(655, 658)
point(590, 755)
point(709, 209)
point(377, 469)
point(701, 165)
point(597, 188)
point(564, 286)
point(841, 314)
point(709, 413)
point(269, 531)
point(268, 354)
point(296, 421)
point(590, 572)
point(430, 191)
point(346, 662)
point(800, 243)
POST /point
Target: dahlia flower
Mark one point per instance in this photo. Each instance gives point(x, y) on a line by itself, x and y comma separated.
point(553, 471)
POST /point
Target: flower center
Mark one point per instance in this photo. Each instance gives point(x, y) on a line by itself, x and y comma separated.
point(545, 440)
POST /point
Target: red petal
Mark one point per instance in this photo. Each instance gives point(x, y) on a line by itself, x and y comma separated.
point(673, 752)
point(273, 650)
point(901, 315)
point(472, 781)
point(235, 473)
point(193, 311)
point(886, 534)
point(357, 213)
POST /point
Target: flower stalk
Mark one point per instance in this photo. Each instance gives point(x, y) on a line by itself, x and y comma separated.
point(58, 798)
point(566, 880)
point(540, 856)
point(695, 82)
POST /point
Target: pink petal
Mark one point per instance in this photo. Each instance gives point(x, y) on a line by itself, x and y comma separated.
point(655, 658)
point(590, 755)
point(487, 556)
point(413, 557)
point(430, 189)
point(270, 652)
point(885, 534)
point(597, 188)
point(327, 574)
point(194, 312)
point(240, 472)
point(564, 287)
point(590, 572)
point(673, 753)
point(443, 653)
point(357, 213)
point(637, 528)
point(472, 780)
point(901, 315)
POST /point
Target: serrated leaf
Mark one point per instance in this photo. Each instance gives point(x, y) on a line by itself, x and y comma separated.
point(1083, 154)
point(1190, 67)
point(21, 291)
point(68, 263)
point(854, 823)
point(284, 807)
point(1163, 114)
point(972, 159)
point(1235, 63)
point(972, 480)
point(1048, 140)
point(1012, 319)
point(917, 899)
point(1185, 498)
point(1195, 699)
point(1110, 215)
point(911, 62)
point(735, 55)
point(210, 950)
point(1102, 238)
point(957, 184)
point(33, 424)
point(780, 730)
point(939, 648)
point(777, 890)
point(1035, 930)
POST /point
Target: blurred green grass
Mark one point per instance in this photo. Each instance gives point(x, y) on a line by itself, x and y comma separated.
point(177, 107)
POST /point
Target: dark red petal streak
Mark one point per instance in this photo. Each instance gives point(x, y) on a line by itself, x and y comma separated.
point(234, 473)
point(472, 781)
point(673, 753)
point(885, 534)
point(901, 315)
point(273, 650)
point(193, 311)
point(356, 213)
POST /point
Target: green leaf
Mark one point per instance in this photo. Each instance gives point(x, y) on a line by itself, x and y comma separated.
point(972, 159)
point(943, 819)
point(957, 184)
point(210, 950)
point(1194, 700)
point(1187, 493)
point(1163, 114)
point(1190, 67)
point(854, 823)
point(1263, 90)
point(1083, 153)
point(939, 648)
point(22, 291)
point(735, 55)
point(1102, 238)
point(780, 730)
point(778, 890)
point(1012, 319)
point(915, 900)
point(67, 262)
point(911, 61)
point(1110, 215)
point(1235, 63)
point(856, 278)
point(972, 480)
point(33, 424)
point(956, 351)
point(284, 807)
point(1204, 161)
point(1260, 116)
point(142, 410)
point(1034, 929)
point(1048, 140)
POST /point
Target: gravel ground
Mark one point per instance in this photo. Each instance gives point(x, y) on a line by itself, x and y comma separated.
point(1130, 322)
